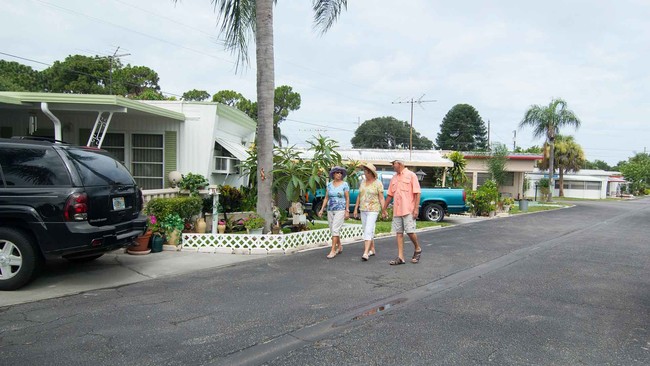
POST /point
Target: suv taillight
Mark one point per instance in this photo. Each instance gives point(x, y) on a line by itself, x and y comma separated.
point(76, 207)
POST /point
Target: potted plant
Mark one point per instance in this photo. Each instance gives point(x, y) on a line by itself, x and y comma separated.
point(172, 225)
point(254, 224)
point(193, 182)
point(507, 202)
point(142, 242)
point(221, 226)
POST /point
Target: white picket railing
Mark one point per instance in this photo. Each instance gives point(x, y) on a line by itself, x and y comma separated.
point(264, 244)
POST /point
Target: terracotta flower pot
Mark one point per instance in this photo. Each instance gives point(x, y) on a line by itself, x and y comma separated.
point(141, 244)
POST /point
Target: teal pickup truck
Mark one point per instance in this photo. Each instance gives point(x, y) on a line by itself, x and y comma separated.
point(435, 203)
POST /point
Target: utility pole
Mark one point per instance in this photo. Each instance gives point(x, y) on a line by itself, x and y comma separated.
point(488, 145)
point(110, 73)
point(514, 140)
point(411, 102)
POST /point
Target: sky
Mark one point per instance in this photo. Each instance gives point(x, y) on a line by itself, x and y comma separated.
point(500, 56)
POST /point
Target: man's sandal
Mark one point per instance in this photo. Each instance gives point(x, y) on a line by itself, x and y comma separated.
point(416, 257)
point(396, 261)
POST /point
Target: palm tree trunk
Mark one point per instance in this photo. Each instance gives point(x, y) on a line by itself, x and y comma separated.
point(551, 169)
point(265, 94)
point(561, 180)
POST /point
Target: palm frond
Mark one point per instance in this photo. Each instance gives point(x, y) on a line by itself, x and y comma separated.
point(326, 12)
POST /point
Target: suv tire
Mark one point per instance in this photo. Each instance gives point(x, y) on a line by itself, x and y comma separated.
point(18, 259)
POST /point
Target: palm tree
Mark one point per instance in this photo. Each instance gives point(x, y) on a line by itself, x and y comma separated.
point(457, 172)
point(569, 157)
point(546, 121)
point(240, 19)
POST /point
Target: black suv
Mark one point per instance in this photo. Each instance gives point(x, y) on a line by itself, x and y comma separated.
point(60, 200)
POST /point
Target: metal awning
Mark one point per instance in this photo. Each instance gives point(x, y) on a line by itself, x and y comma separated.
point(238, 150)
point(418, 158)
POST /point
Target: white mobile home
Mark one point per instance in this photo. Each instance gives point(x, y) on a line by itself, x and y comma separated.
point(585, 183)
point(152, 138)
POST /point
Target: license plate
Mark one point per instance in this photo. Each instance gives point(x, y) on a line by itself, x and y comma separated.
point(118, 203)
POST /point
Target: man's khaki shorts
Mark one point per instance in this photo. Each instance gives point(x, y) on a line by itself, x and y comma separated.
point(403, 224)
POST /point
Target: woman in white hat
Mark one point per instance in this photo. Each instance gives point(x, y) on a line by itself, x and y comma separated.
point(337, 201)
point(370, 201)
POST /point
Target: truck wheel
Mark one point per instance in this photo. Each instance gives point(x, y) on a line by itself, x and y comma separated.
point(19, 261)
point(433, 212)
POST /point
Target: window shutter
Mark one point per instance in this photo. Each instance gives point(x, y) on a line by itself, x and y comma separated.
point(170, 155)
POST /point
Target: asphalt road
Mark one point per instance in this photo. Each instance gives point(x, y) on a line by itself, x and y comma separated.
point(564, 287)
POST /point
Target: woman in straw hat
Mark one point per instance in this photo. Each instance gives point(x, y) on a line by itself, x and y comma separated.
point(370, 201)
point(337, 201)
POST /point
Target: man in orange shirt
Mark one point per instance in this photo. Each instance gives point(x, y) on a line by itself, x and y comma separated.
point(405, 189)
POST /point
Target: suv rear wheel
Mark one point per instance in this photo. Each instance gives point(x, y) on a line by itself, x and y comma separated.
point(18, 259)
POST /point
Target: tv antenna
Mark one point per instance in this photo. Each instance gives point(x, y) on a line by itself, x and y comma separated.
point(411, 102)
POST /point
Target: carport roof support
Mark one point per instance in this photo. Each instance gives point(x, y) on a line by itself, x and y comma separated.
point(86, 102)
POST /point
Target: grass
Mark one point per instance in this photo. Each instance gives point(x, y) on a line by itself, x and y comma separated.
point(537, 208)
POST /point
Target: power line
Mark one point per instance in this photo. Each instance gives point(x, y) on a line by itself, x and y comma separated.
point(419, 101)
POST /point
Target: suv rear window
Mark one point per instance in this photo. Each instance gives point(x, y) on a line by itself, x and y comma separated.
point(32, 166)
point(96, 168)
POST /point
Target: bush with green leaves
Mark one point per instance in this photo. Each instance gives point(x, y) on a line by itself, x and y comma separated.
point(185, 207)
point(483, 200)
point(544, 185)
point(172, 222)
point(193, 182)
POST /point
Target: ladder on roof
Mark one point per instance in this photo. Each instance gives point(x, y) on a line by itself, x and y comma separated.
point(98, 133)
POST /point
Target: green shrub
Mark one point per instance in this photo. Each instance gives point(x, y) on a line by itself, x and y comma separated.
point(184, 207)
point(230, 198)
point(484, 199)
point(193, 182)
point(172, 222)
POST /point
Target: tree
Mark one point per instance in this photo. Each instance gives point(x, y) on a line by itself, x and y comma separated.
point(388, 133)
point(196, 95)
point(547, 121)
point(531, 150)
point(233, 99)
point(569, 157)
point(637, 171)
point(497, 163)
point(132, 81)
point(285, 101)
point(462, 129)
point(597, 164)
point(457, 172)
point(240, 19)
point(18, 77)
point(79, 74)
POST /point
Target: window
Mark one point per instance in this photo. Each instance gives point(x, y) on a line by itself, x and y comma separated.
point(593, 186)
point(509, 179)
point(114, 144)
point(26, 167)
point(580, 185)
point(97, 169)
point(147, 160)
point(481, 178)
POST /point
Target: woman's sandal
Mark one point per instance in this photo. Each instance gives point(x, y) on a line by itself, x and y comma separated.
point(370, 253)
point(364, 257)
point(332, 255)
point(416, 257)
point(396, 261)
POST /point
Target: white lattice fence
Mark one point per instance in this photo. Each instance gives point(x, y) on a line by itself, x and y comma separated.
point(259, 244)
